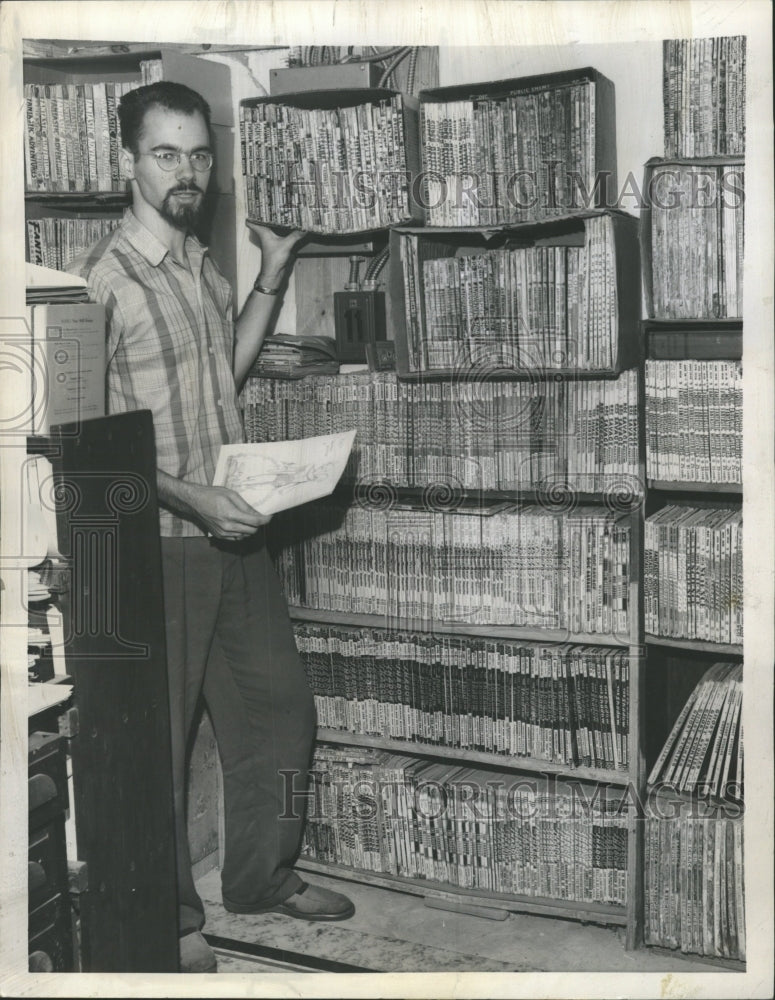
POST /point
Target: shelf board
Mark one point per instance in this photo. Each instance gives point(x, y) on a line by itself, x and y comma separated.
point(326, 241)
point(339, 246)
point(460, 498)
point(562, 220)
point(500, 761)
point(80, 198)
point(711, 324)
point(720, 159)
point(598, 913)
point(487, 631)
point(699, 340)
point(697, 645)
point(477, 374)
point(63, 53)
point(669, 486)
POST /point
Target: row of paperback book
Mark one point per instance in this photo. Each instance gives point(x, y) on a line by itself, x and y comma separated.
point(704, 752)
point(704, 96)
point(565, 704)
point(526, 155)
point(694, 885)
point(56, 243)
point(693, 573)
point(342, 169)
point(397, 815)
point(694, 421)
point(522, 567)
point(72, 137)
point(525, 308)
point(697, 215)
point(452, 435)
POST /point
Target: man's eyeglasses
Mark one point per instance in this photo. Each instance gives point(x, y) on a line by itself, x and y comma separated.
point(169, 160)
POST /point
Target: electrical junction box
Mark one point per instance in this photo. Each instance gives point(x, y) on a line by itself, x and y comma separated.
point(359, 319)
point(342, 76)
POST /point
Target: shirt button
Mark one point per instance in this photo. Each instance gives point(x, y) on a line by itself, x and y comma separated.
point(210, 350)
point(220, 402)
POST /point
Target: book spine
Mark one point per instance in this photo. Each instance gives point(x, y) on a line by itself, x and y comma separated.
point(31, 179)
point(52, 149)
point(101, 138)
point(112, 123)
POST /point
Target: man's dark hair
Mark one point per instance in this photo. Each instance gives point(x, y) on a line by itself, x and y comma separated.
point(172, 96)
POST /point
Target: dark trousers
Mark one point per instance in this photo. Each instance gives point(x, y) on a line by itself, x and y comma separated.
point(230, 637)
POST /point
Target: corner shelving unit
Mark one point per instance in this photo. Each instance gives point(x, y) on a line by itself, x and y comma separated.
point(566, 230)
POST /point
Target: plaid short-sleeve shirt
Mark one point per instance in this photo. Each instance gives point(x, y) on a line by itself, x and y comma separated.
point(170, 348)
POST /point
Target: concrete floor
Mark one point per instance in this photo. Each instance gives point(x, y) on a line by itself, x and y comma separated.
point(396, 932)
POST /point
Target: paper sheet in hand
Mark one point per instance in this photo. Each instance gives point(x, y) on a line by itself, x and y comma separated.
point(276, 475)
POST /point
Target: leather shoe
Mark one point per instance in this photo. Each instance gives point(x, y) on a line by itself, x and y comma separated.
point(196, 955)
point(309, 902)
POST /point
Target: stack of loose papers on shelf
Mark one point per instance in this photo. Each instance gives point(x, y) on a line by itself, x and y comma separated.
point(45, 695)
point(277, 475)
point(286, 356)
point(36, 588)
point(46, 284)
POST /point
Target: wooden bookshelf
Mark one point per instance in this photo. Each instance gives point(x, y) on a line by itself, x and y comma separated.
point(701, 341)
point(569, 230)
point(301, 188)
point(633, 776)
point(677, 855)
point(561, 229)
point(710, 164)
point(602, 166)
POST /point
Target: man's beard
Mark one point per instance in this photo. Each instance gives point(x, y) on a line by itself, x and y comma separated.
point(182, 215)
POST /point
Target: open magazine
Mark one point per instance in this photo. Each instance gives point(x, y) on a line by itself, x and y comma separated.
point(276, 475)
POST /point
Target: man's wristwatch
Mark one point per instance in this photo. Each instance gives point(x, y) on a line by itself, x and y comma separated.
point(264, 289)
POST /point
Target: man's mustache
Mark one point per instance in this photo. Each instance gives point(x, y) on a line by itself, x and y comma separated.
point(185, 187)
